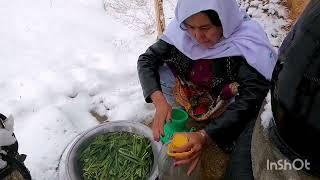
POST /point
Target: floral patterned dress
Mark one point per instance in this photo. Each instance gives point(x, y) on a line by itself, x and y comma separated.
point(203, 87)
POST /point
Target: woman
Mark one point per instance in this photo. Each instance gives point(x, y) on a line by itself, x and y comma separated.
point(210, 53)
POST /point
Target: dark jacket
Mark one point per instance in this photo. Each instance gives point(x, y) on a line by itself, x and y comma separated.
point(296, 91)
point(225, 129)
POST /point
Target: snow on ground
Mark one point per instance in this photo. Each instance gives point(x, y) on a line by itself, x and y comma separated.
point(62, 59)
point(271, 14)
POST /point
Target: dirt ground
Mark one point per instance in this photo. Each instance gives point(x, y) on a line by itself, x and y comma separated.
point(213, 160)
point(214, 163)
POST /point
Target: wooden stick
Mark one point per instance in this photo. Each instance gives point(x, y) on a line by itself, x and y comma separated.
point(159, 16)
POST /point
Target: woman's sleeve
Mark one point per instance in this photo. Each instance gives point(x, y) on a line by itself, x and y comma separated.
point(148, 66)
point(252, 91)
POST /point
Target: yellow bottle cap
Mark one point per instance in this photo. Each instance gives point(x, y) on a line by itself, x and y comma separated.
point(178, 140)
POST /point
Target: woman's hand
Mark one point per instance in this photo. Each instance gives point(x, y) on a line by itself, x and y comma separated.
point(196, 143)
point(163, 114)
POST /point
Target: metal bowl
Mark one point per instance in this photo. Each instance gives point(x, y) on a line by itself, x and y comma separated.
point(72, 165)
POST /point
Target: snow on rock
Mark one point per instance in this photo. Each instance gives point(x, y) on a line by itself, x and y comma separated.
point(266, 115)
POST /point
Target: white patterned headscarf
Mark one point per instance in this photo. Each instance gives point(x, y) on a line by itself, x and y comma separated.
point(241, 35)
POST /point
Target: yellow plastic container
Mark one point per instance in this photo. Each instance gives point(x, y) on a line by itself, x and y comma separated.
point(178, 140)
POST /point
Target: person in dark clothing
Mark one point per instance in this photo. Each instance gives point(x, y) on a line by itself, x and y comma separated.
point(287, 147)
point(214, 62)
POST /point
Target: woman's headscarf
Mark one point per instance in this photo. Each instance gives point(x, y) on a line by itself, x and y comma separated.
point(241, 36)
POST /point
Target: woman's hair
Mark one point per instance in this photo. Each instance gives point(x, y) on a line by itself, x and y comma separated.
point(212, 15)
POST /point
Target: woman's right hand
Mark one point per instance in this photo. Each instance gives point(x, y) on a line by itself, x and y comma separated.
point(163, 114)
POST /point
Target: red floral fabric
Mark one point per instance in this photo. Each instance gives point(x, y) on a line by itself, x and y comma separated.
point(195, 94)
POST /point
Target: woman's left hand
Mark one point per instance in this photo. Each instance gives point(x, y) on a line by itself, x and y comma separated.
point(195, 145)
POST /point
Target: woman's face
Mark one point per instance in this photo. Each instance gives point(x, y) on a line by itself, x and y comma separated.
point(201, 28)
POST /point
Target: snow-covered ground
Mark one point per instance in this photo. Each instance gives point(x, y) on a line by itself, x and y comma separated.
point(60, 60)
